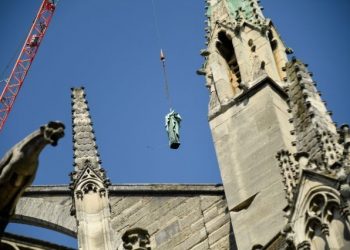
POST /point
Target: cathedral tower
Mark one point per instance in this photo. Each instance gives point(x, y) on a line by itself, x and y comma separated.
point(248, 115)
point(263, 106)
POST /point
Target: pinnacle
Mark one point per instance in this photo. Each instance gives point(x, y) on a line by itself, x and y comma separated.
point(84, 141)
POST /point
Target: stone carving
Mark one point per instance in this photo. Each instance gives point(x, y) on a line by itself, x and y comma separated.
point(319, 223)
point(324, 208)
point(19, 165)
point(290, 173)
point(172, 125)
point(288, 234)
point(136, 239)
point(331, 151)
point(344, 134)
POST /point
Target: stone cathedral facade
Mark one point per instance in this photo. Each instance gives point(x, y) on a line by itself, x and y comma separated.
point(285, 166)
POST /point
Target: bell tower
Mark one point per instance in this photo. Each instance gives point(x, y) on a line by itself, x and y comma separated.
point(248, 115)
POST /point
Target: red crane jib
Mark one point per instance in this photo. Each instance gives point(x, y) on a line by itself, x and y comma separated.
point(25, 59)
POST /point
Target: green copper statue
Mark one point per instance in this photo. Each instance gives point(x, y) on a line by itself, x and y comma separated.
point(172, 125)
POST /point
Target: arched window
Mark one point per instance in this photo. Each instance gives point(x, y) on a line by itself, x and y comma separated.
point(325, 227)
point(225, 47)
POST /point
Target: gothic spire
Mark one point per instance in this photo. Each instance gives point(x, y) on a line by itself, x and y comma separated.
point(315, 131)
point(88, 181)
point(84, 142)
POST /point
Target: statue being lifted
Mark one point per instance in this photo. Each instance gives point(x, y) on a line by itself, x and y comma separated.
point(19, 165)
point(172, 125)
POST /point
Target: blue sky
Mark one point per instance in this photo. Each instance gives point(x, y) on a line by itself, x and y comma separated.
point(111, 48)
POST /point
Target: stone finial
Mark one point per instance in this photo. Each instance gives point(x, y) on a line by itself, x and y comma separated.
point(344, 132)
point(136, 239)
point(303, 159)
point(289, 172)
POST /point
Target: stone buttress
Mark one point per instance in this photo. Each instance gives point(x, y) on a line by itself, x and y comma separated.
point(88, 181)
point(248, 115)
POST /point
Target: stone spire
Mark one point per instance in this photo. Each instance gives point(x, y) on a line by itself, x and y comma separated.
point(316, 133)
point(88, 181)
point(84, 141)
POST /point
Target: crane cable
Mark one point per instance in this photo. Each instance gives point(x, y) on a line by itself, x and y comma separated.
point(166, 84)
point(172, 119)
point(162, 58)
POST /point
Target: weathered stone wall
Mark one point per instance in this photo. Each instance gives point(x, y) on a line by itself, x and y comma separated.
point(177, 217)
point(48, 207)
point(247, 137)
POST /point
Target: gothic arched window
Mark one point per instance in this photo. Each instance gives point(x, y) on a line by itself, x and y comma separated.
point(226, 50)
point(325, 227)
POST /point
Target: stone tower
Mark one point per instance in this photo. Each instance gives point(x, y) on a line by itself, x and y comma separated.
point(248, 115)
point(89, 183)
point(261, 106)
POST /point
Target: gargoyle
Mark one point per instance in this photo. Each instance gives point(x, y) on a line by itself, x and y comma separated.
point(136, 239)
point(19, 165)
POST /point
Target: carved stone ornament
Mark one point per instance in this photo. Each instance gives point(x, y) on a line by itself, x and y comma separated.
point(136, 239)
point(289, 172)
point(19, 165)
point(288, 234)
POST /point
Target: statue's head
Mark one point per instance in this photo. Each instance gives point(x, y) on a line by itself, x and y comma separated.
point(136, 239)
point(52, 132)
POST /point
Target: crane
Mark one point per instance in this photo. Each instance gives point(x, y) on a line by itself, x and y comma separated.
point(30, 47)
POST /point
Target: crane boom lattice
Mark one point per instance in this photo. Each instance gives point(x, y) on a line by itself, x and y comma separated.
point(25, 59)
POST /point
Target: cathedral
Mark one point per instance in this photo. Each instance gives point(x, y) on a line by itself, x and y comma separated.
point(284, 163)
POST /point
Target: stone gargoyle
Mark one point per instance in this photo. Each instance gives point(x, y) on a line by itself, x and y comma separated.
point(19, 165)
point(136, 239)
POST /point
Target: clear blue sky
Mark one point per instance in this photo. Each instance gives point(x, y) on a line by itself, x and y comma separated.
point(111, 48)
